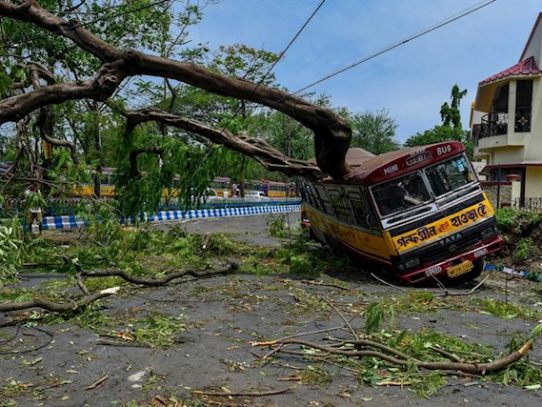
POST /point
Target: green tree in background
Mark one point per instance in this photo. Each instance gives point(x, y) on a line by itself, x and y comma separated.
point(451, 127)
point(374, 132)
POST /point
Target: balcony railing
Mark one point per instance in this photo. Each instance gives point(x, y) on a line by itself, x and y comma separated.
point(522, 123)
point(493, 124)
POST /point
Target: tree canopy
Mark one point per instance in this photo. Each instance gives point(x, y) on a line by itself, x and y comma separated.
point(86, 76)
point(374, 132)
point(451, 127)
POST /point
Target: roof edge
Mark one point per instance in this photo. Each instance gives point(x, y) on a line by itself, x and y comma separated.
point(522, 56)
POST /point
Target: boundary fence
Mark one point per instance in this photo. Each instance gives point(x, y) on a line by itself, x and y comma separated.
point(73, 222)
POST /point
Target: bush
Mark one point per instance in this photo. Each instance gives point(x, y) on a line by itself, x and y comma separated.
point(516, 220)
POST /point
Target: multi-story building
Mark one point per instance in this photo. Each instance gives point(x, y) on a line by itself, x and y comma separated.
point(506, 121)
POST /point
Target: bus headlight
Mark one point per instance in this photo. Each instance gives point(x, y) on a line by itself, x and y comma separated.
point(412, 262)
point(489, 232)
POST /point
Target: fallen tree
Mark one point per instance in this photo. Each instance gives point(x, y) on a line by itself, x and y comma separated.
point(331, 133)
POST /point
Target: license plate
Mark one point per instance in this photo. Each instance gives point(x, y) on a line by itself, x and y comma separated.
point(456, 271)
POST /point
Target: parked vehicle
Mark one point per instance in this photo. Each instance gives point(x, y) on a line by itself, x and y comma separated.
point(419, 212)
point(256, 196)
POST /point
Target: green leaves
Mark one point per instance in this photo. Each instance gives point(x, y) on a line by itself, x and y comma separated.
point(374, 132)
point(10, 251)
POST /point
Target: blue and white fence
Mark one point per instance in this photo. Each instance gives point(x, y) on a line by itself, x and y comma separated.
point(72, 222)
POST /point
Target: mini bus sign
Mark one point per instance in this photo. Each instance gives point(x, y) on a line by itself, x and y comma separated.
point(414, 159)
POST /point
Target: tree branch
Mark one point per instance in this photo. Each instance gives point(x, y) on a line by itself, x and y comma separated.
point(405, 361)
point(258, 149)
point(158, 281)
point(332, 134)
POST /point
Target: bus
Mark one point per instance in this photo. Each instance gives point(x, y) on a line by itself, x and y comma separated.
point(276, 189)
point(420, 213)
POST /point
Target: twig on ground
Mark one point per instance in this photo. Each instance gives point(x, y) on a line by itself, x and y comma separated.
point(244, 394)
point(322, 284)
point(122, 344)
point(342, 317)
point(34, 348)
point(373, 275)
point(97, 383)
point(273, 342)
point(447, 354)
point(81, 284)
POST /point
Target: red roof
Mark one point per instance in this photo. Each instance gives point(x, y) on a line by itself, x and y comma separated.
point(526, 67)
point(395, 163)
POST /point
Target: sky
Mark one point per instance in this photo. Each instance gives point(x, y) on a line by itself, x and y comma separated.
point(412, 81)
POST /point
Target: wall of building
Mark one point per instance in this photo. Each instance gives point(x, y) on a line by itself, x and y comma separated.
point(507, 155)
point(533, 184)
point(533, 141)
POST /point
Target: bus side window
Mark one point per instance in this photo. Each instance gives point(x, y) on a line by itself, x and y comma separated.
point(316, 202)
point(340, 205)
point(359, 207)
point(323, 200)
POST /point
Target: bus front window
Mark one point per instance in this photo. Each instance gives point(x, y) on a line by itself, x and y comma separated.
point(401, 193)
point(450, 175)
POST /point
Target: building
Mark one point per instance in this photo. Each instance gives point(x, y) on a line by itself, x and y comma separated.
point(506, 121)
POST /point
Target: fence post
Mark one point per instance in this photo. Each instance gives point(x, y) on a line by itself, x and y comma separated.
point(499, 188)
point(515, 197)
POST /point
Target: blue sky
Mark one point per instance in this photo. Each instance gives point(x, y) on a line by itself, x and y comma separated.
point(411, 82)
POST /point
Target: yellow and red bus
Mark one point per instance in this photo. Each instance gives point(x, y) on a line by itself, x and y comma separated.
point(420, 212)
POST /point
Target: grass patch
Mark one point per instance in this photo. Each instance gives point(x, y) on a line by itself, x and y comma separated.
point(503, 310)
point(15, 295)
point(315, 375)
point(159, 330)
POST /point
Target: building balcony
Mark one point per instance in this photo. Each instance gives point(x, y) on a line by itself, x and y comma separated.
point(495, 129)
point(493, 124)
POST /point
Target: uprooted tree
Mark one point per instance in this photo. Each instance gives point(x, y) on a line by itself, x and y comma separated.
point(58, 73)
point(54, 66)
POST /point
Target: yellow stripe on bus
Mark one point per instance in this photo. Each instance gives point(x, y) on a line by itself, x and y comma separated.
point(444, 227)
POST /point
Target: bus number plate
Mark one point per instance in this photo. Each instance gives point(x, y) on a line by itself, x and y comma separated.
point(456, 271)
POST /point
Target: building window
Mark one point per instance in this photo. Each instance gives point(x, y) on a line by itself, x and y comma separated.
point(524, 100)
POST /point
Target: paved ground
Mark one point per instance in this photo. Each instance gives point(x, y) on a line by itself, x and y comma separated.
point(223, 315)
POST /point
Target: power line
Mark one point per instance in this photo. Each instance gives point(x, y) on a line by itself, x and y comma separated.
point(428, 30)
point(294, 38)
point(283, 52)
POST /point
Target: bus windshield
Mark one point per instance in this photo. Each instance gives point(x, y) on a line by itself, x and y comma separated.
point(449, 175)
point(401, 193)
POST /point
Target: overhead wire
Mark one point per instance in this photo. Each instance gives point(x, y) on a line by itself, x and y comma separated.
point(404, 41)
point(260, 82)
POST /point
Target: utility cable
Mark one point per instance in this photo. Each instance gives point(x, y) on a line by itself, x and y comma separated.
point(389, 48)
point(260, 82)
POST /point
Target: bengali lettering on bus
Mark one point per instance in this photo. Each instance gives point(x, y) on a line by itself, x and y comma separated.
point(446, 225)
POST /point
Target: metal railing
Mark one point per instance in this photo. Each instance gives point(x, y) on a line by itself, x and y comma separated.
point(493, 124)
point(530, 204)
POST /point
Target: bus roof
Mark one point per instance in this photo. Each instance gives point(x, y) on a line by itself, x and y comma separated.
point(354, 157)
point(395, 163)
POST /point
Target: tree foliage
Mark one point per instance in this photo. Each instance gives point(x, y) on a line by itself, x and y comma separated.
point(451, 127)
point(374, 132)
point(83, 77)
